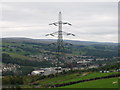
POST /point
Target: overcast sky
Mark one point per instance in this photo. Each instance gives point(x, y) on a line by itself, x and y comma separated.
point(91, 21)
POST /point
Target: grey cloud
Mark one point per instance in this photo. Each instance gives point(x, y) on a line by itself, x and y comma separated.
point(91, 19)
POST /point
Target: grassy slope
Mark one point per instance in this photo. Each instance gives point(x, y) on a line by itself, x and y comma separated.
point(57, 79)
point(21, 52)
point(71, 77)
point(15, 55)
point(91, 75)
point(103, 83)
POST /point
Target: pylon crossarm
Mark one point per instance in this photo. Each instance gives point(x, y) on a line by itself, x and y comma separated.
point(55, 23)
point(52, 44)
point(65, 33)
point(70, 34)
point(52, 34)
point(68, 44)
point(67, 23)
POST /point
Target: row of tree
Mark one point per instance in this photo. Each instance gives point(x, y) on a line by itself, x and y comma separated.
point(6, 58)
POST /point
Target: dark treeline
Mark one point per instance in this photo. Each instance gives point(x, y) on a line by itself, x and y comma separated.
point(6, 58)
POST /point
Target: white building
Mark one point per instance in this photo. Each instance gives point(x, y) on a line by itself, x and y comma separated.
point(37, 72)
point(48, 71)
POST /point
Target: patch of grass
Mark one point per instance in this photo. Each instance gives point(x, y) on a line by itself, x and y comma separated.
point(58, 79)
point(88, 76)
point(72, 77)
point(103, 83)
point(14, 55)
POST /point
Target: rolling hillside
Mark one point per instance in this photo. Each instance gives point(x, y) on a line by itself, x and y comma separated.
point(48, 41)
point(21, 51)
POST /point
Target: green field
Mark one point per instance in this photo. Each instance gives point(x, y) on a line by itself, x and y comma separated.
point(76, 77)
point(17, 56)
point(73, 77)
point(37, 81)
point(103, 83)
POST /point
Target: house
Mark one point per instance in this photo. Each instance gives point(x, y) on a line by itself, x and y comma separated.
point(104, 71)
point(37, 72)
point(93, 66)
point(48, 71)
point(118, 70)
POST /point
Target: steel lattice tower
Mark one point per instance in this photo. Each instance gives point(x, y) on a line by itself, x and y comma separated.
point(60, 33)
point(60, 46)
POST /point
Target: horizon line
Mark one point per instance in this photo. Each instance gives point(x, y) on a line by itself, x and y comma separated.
point(63, 40)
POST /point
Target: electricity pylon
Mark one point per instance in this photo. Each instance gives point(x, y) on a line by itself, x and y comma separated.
point(60, 33)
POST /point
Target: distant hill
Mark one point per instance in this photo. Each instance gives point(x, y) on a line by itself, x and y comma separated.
point(48, 41)
point(22, 49)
